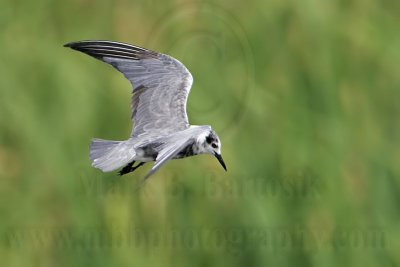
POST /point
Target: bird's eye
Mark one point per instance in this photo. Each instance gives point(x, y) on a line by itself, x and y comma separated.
point(214, 145)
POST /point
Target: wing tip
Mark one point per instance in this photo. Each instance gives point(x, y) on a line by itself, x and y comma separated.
point(104, 48)
point(80, 44)
point(72, 45)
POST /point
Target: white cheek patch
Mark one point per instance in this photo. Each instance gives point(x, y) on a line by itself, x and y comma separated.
point(202, 137)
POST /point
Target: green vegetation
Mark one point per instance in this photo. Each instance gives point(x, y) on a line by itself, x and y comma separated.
point(304, 95)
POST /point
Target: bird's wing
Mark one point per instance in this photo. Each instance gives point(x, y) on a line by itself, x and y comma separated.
point(175, 144)
point(170, 150)
point(161, 84)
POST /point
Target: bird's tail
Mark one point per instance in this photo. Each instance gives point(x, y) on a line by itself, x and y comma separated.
point(108, 155)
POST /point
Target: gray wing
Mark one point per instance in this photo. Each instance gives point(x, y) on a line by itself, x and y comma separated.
point(161, 84)
point(167, 153)
point(175, 144)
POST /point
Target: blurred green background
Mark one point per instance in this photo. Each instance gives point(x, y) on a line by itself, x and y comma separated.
point(304, 95)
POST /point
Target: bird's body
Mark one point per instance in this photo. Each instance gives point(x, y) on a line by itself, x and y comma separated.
point(161, 131)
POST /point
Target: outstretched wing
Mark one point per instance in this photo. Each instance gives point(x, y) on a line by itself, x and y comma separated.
point(168, 153)
point(176, 143)
point(161, 84)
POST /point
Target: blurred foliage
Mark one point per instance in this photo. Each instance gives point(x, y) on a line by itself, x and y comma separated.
point(304, 95)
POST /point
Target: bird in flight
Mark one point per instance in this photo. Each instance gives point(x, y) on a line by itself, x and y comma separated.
point(161, 131)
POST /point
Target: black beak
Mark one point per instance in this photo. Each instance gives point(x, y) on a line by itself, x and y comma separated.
point(220, 159)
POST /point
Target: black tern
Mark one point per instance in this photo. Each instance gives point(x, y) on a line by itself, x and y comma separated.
point(161, 131)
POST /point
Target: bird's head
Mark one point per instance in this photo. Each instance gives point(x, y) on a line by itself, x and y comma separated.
point(210, 143)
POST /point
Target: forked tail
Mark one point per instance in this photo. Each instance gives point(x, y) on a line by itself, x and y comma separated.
point(108, 155)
